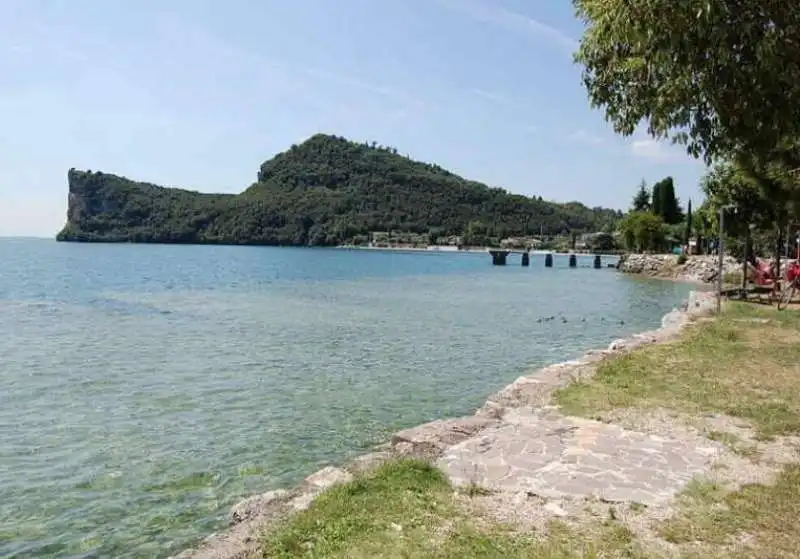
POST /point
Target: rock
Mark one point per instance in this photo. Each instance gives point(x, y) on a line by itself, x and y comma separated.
point(303, 501)
point(432, 438)
point(700, 269)
point(555, 510)
point(368, 462)
point(257, 505)
point(673, 319)
point(618, 345)
point(318, 482)
point(328, 477)
point(491, 410)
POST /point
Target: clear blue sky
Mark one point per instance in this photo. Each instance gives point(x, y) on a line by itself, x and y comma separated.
point(197, 93)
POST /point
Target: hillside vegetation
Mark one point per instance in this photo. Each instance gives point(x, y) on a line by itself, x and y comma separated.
point(325, 191)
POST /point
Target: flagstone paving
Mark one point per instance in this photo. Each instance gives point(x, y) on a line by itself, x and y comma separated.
point(553, 456)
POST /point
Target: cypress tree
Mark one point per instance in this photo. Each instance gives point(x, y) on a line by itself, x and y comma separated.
point(657, 204)
point(668, 207)
point(688, 223)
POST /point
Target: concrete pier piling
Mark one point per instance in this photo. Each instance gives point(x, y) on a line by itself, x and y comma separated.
point(499, 257)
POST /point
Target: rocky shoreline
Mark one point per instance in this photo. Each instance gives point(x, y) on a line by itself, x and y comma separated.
point(449, 442)
point(700, 269)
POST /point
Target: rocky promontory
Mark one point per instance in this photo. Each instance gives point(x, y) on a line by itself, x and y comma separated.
point(326, 191)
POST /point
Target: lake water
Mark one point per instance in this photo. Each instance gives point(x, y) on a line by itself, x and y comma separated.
point(145, 389)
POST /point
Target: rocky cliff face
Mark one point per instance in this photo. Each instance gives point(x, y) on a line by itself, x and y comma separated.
point(94, 207)
point(700, 269)
point(86, 197)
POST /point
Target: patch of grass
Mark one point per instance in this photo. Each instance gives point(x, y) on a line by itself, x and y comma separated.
point(764, 515)
point(475, 490)
point(736, 365)
point(733, 442)
point(732, 278)
point(407, 508)
point(400, 499)
point(638, 507)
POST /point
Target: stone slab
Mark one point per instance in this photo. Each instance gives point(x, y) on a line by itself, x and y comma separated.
point(558, 457)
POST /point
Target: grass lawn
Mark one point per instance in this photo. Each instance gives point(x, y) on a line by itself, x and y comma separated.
point(745, 364)
point(763, 516)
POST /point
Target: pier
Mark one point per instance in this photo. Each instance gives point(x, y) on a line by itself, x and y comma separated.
point(500, 258)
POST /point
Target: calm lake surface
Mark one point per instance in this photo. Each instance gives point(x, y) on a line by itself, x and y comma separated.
point(145, 389)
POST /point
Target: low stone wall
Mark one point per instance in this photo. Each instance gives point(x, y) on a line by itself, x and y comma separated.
point(251, 517)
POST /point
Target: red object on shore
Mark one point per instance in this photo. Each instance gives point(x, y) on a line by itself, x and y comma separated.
point(764, 275)
point(793, 271)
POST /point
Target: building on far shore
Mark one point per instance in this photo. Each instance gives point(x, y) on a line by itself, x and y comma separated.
point(444, 248)
point(522, 243)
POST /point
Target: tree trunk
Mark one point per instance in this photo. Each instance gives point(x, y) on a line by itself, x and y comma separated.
point(745, 260)
point(778, 247)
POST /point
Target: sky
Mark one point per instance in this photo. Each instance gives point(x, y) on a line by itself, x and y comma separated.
point(198, 93)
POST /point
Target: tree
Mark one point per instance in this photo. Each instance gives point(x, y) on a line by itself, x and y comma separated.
point(641, 201)
point(643, 231)
point(730, 185)
point(656, 199)
point(665, 203)
point(704, 222)
point(719, 76)
point(688, 234)
point(601, 241)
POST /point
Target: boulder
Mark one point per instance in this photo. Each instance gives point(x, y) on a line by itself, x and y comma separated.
point(328, 477)
point(258, 505)
point(318, 482)
point(432, 438)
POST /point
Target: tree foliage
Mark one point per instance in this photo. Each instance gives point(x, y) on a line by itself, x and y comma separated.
point(728, 185)
point(665, 203)
point(756, 199)
point(601, 242)
point(720, 75)
point(643, 231)
point(688, 230)
point(325, 191)
point(656, 199)
point(641, 200)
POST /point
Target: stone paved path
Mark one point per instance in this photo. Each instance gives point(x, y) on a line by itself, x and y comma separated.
point(551, 456)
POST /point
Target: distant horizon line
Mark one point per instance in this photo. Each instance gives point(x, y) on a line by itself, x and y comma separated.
point(30, 237)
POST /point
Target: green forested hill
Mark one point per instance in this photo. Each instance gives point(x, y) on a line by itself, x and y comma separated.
point(325, 191)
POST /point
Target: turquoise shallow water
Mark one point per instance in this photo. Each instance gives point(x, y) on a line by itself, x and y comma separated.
point(147, 388)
